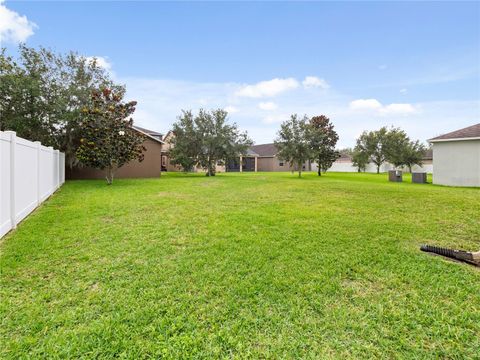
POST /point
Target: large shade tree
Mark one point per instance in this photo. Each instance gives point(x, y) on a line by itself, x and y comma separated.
point(293, 142)
point(108, 140)
point(387, 144)
point(360, 159)
point(206, 140)
point(42, 94)
point(374, 144)
point(396, 146)
point(185, 142)
point(414, 154)
point(323, 139)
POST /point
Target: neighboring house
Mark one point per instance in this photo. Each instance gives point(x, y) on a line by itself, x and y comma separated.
point(267, 159)
point(456, 157)
point(149, 167)
point(249, 162)
point(166, 163)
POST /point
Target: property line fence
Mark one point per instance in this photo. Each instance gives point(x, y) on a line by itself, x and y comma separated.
point(372, 168)
point(29, 174)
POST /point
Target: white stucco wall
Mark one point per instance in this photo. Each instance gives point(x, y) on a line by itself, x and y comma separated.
point(456, 163)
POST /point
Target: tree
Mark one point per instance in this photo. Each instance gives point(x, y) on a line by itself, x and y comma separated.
point(206, 140)
point(42, 95)
point(27, 90)
point(293, 142)
point(396, 146)
point(374, 144)
point(185, 142)
point(414, 153)
point(80, 77)
point(360, 159)
point(323, 139)
point(108, 140)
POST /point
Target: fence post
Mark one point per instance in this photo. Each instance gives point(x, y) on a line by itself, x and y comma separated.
point(51, 186)
point(56, 156)
point(13, 215)
point(39, 149)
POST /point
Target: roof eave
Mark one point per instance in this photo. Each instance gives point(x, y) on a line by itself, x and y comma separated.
point(148, 136)
point(454, 139)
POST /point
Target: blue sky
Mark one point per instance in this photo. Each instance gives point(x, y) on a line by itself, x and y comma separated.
point(364, 64)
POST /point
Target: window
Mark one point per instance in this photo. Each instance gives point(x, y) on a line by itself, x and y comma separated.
point(280, 163)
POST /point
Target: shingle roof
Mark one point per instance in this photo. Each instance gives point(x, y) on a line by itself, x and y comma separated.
point(265, 149)
point(344, 156)
point(250, 152)
point(149, 132)
point(465, 133)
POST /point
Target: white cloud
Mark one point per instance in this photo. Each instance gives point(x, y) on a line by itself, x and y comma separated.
point(365, 104)
point(14, 27)
point(268, 88)
point(275, 119)
point(231, 109)
point(399, 109)
point(403, 91)
point(267, 106)
point(313, 81)
point(379, 109)
point(102, 61)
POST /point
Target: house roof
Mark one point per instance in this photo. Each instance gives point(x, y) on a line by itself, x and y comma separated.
point(344, 156)
point(468, 133)
point(167, 134)
point(149, 133)
point(265, 150)
point(250, 152)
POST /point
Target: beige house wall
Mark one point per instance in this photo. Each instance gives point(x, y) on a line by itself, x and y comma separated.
point(273, 164)
point(149, 167)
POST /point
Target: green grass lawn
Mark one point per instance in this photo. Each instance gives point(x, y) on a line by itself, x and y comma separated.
point(260, 265)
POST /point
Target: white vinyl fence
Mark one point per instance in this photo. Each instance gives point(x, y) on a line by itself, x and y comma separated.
point(372, 168)
point(29, 174)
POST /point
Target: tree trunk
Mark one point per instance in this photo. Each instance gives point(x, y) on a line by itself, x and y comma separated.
point(210, 169)
point(109, 175)
point(410, 168)
point(378, 169)
point(299, 170)
point(319, 171)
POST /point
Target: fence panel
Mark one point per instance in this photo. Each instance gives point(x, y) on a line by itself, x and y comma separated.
point(29, 174)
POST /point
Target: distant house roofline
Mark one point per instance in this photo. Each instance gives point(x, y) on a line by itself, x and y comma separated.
point(265, 150)
point(149, 134)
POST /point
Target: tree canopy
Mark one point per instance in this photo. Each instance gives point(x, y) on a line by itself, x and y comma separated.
point(413, 154)
point(108, 140)
point(206, 140)
point(392, 145)
point(293, 142)
point(374, 143)
point(323, 139)
point(42, 94)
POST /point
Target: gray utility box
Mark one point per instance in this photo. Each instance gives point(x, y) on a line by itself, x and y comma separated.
point(419, 178)
point(395, 175)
